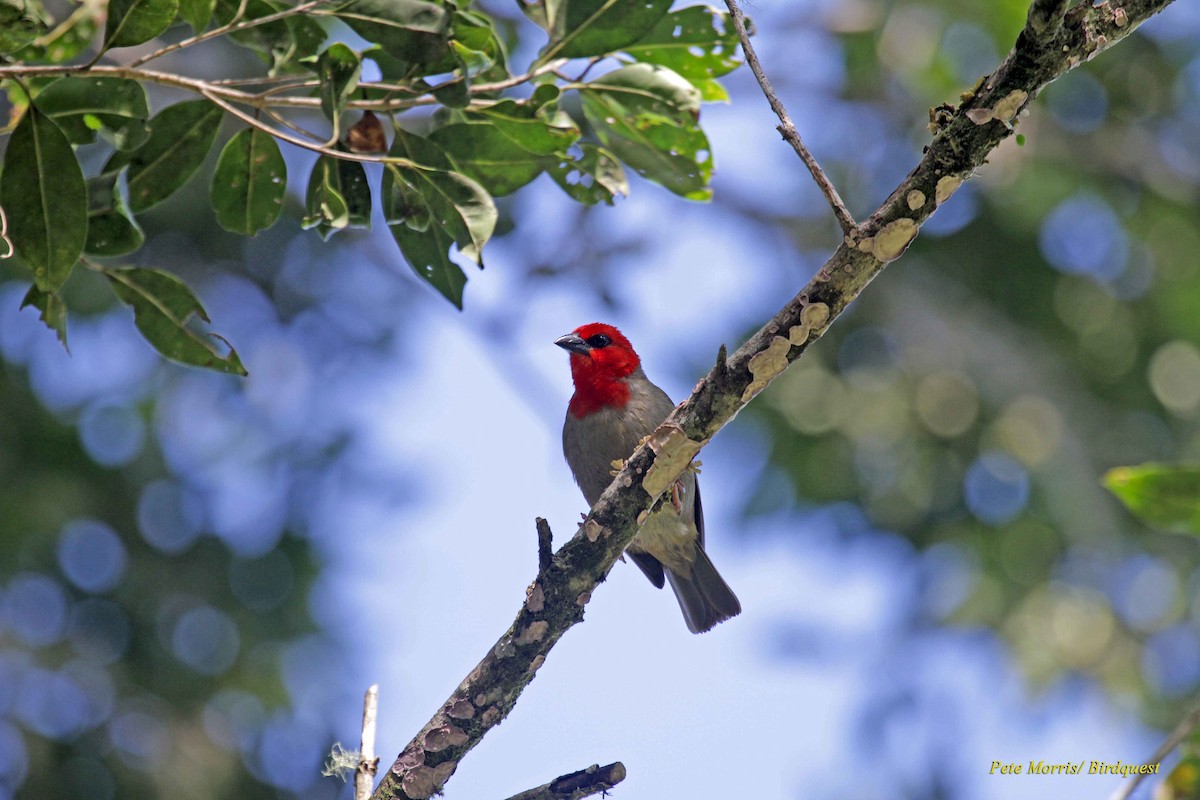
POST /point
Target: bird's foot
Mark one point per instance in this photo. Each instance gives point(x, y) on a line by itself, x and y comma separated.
point(677, 496)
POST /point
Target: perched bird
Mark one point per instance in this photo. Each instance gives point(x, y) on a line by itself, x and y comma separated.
point(613, 409)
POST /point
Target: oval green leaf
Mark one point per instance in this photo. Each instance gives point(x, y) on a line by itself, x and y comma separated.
point(580, 28)
point(44, 198)
point(249, 183)
point(180, 137)
point(1163, 495)
point(481, 152)
point(82, 106)
point(338, 68)
point(410, 30)
point(53, 312)
point(133, 22)
point(697, 42)
point(338, 196)
point(162, 307)
point(111, 231)
point(646, 115)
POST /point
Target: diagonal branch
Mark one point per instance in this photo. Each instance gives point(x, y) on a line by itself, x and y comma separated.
point(577, 785)
point(1186, 727)
point(785, 127)
point(556, 599)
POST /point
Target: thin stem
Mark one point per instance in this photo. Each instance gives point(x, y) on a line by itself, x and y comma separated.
point(368, 762)
point(255, 98)
point(233, 26)
point(287, 123)
point(1186, 727)
point(301, 143)
point(786, 128)
point(577, 785)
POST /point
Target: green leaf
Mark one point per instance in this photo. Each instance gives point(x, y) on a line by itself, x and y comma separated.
point(647, 115)
point(282, 43)
point(67, 44)
point(20, 23)
point(180, 138)
point(596, 176)
point(1163, 495)
point(539, 130)
point(697, 42)
point(54, 311)
point(163, 307)
point(711, 91)
point(477, 47)
point(249, 183)
point(410, 30)
point(338, 69)
point(111, 231)
point(82, 106)
point(429, 210)
point(458, 204)
point(197, 13)
point(43, 195)
point(133, 22)
point(481, 152)
point(580, 28)
point(338, 196)
point(453, 93)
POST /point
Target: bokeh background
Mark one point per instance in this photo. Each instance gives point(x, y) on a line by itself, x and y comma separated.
point(199, 575)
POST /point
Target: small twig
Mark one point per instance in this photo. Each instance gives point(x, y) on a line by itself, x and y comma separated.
point(368, 762)
point(287, 123)
point(786, 128)
point(233, 26)
point(584, 783)
point(287, 137)
point(545, 548)
point(1186, 727)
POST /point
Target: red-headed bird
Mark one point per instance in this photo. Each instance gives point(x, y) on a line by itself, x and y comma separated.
point(614, 407)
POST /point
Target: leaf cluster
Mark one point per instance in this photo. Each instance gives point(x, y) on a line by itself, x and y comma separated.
point(465, 128)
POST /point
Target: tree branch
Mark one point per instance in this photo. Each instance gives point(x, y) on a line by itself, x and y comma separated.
point(233, 26)
point(785, 127)
point(1186, 727)
point(368, 762)
point(545, 545)
point(577, 785)
point(559, 593)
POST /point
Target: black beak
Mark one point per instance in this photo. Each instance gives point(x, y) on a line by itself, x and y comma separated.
point(574, 343)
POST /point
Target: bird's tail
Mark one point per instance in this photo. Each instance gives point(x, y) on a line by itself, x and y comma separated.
point(703, 595)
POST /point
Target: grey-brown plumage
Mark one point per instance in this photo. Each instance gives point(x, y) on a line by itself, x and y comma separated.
point(615, 406)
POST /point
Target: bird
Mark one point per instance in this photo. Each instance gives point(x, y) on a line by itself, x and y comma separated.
point(613, 409)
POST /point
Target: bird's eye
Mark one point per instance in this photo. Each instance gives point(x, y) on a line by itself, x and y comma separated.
point(599, 340)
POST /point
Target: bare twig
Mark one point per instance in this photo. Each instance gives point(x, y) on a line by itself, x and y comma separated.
point(250, 120)
point(368, 762)
point(1186, 727)
point(786, 128)
point(577, 785)
point(558, 596)
point(224, 89)
point(545, 544)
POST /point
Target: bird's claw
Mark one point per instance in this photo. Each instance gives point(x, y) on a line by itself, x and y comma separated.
point(617, 465)
point(677, 496)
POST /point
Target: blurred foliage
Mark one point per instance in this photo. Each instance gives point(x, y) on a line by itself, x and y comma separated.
point(467, 126)
point(1042, 330)
point(139, 666)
